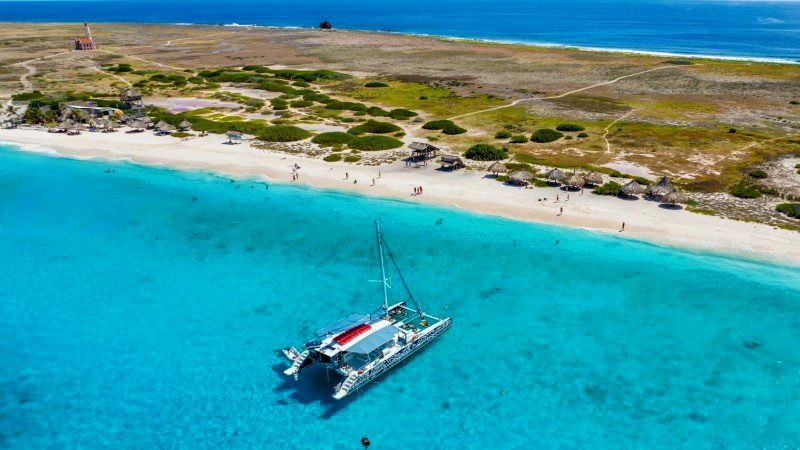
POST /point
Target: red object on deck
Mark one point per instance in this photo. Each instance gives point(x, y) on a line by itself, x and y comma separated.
point(348, 335)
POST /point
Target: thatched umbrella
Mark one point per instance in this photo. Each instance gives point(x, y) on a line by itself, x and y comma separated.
point(673, 198)
point(165, 128)
point(594, 178)
point(663, 187)
point(576, 180)
point(148, 122)
point(521, 177)
point(184, 125)
point(498, 167)
point(631, 189)
point(556, 175)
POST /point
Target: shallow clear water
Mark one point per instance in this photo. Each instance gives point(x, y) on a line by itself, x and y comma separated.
point(759, 29)
point(132, 316)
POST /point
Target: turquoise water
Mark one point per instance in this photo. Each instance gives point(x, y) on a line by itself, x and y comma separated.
point(749, 29)
point(132, 316)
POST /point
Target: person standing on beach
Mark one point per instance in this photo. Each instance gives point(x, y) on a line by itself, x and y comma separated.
point(623, 227)
point(346, 175)
point(373, 182)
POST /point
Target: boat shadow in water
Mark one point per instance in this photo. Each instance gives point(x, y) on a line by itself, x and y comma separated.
point(313, 386)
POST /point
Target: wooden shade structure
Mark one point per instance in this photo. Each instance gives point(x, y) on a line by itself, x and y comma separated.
point(594, 178)
point(631, 189)
point(498, 167)
point(556, 175)
point(663, 187)
point(575, 180)
point(452, 162)
point(673, 198)
point(185, 125)
point(520, 177)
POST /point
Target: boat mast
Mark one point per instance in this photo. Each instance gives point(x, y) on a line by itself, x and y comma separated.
point(383, 267)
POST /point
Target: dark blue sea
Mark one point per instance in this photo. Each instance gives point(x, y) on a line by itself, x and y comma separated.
point(740, 29)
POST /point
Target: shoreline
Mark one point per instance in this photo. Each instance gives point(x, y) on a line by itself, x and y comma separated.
point(465, 190)
point(500, 41)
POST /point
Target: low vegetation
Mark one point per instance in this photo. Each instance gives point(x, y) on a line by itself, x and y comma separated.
point(374, 143)
point(503, 134)
point(569, 127)
point(545, 135)
point(374, 127)
point(608, 188)
point(333, 157)
point(758, 174)
point(519, 139)
point(446, 126)
point(790, 209)
point(486, 152)
point(332, 139)
point(745, 189)
point(283, 133)
point(375, 84)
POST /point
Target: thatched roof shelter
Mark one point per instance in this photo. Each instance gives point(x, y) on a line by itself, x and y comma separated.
point(673, 198)
point(520, 177)
point(498, 167)
point(594, 178)
point(165, 128)
point(423, 150)
point(556, 175)
point(575, 180)
point(148, 122)
point(185, 125)
point(452, 162)
point(663, 187)
point(631, 189)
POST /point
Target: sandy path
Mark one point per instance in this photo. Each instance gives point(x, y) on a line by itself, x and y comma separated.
point(574, 91)
point(463, 189)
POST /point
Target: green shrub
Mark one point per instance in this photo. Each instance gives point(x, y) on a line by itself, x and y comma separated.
point(794, 102)
point(608, 188)
point(27, 96)
point(770, 191)
point(758, 174)
point(121, 68)
point(376, 84)
point(402, 114)
point(279, 104)
point(378, 112)
point(583, 135)
point(301, 103)
point(333, 138)
point(333, 157)
point(731, 130)
point(374, 126)
point(503, 134)
point(195, 80)
point(567, 137)
point(437, 124)
point(180, 134)
point(373, 143)
point(301, 83)
point(346, 106)
point(518, 139)
point(352, 158)
point(486, 152)
point(453, 129)
point(283, 133)
point(790, 209)
point(569, 127)
point(744, 189)
point(545, 135)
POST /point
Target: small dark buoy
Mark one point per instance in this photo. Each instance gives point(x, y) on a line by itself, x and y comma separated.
point(365, 442)
point(194, 199)
point(752, 344)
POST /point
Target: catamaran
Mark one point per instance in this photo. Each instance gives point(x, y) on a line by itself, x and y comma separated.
point(361, 347)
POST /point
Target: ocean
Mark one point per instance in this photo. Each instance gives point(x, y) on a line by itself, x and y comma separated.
point(142, 307)
point(736, 29)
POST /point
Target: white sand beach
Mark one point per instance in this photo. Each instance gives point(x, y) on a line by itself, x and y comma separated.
point(470, 190)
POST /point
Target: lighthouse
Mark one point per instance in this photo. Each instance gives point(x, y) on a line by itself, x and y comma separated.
point(86, 42)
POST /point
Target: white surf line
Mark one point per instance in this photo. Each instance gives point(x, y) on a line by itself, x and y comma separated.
point(574, 91)
point(608, 128)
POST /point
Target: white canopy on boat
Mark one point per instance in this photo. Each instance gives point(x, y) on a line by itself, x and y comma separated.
point(374, 340)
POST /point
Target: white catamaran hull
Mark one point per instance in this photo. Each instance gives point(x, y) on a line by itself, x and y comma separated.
point(357, 380)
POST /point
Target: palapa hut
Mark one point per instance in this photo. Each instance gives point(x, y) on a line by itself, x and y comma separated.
point(234, 137)
point(673, 198)
point(556, 175)
point(575, 181)
point(497, 168)
point(520, 177)
point(148, 122)
point(421, 151)
point(594, 178)
point(663, 187)
point(452, 162)
point(164, 128)
point(185, 125)
point(632, 189)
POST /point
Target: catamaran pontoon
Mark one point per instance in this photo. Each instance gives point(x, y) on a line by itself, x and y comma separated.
point(361, 347)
